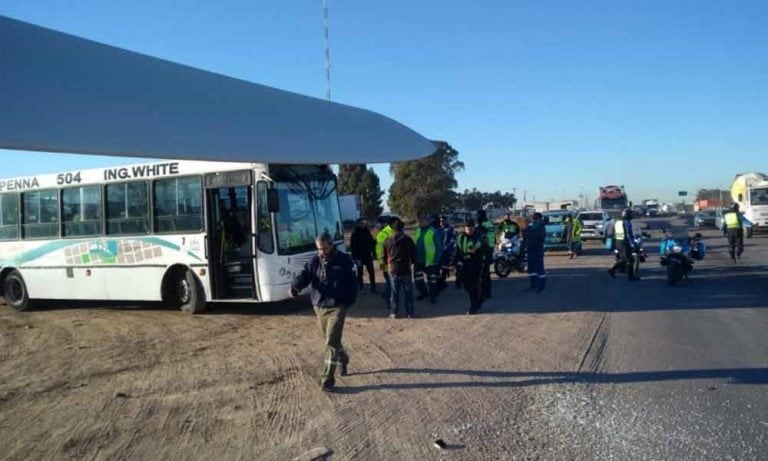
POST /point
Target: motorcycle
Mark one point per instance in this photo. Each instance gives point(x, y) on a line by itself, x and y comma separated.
point(679, 256)
point(639, 254)
point(510, 255)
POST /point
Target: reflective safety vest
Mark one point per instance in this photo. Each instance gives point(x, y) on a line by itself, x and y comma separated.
point(490, 233)
point(577, 227)
point(468, 245)
point(732, 220)
point(618, 230)
point(382, 237)
point(430, 249)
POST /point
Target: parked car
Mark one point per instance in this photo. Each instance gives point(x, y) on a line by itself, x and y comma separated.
point(719, 220)
point(706, 218)
point(554, 222)
point(595, 223)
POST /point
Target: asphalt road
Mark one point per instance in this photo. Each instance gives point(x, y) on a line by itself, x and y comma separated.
point(672, 372)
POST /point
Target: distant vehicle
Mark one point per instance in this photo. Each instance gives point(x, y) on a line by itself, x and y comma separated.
point(554, 222)
point(595, 224)
point(706, 218)
point(719, 218)
point(612, 198)
point(651, 207)
point(750, 191)
point(385, 219)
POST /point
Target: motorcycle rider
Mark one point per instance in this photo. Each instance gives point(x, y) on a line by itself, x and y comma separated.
point(624, 240)
point(733, 227)
point(508, 226)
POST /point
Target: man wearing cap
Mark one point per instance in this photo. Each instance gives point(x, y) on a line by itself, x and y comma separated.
point(471, 250)
point(488, 231)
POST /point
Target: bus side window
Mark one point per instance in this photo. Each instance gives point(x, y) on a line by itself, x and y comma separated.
point(9, 216)
point(263, 220)
point(127, 210)
point(178, 204)
point(81, 211)
point(40, 214)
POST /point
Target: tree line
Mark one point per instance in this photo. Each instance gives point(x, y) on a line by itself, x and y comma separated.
point(420, 186)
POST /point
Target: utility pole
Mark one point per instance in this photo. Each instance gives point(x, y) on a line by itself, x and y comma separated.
point(327, 52)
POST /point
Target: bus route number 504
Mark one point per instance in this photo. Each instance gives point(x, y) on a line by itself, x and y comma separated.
point(68, 178)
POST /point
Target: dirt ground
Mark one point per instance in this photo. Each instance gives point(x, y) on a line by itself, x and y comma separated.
point(142, 382)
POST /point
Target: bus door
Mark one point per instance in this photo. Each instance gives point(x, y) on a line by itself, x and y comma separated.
point(229, 245)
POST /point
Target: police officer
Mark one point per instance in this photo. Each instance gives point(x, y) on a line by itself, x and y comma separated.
point(535, 234)
point(385, 231)
point(575, 243)
point(509, 226)
point(449, 253)
point(471, 252)
point(733, 224)
point(624, 239)
point(429, 248)
point(331, 276)
point(486, 228)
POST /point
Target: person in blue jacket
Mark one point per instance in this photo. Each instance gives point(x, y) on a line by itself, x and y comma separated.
point(535, 234)
point(449, 252)
point(330, 274)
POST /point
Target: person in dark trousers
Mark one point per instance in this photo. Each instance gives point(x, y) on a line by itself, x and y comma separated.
point(733, 227)
point(330, 274)
point(449, 253)
point(385, 231)
point(363, 247)
point(471, 247)
point(428, 238)
point(623, 239)
point(400, 254)
point(535, 234)
point(488, 231)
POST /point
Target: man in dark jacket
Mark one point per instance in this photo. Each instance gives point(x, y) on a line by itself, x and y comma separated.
point(363, 247)
point(471, 251)
point(330, 274)
point(535, 234)
point(400, 254)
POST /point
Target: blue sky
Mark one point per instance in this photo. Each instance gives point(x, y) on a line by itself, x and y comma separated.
point(550, 97)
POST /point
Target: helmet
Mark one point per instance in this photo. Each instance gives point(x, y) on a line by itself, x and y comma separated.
point(627, 213)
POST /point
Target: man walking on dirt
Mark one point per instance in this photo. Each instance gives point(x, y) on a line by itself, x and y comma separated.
point(471, 252)
point(330, 274)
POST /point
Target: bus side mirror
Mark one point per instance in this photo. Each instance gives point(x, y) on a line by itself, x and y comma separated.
point(273, 204)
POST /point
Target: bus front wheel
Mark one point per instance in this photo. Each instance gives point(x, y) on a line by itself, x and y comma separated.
point(15, 291)
point(188, 293)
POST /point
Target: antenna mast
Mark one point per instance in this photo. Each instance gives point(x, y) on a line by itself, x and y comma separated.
point(327, 52)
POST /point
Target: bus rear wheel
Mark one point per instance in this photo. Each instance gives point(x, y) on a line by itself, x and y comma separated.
point(188, 293)
point(15, 292)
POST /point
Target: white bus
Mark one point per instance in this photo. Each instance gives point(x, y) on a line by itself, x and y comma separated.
point(181, 232)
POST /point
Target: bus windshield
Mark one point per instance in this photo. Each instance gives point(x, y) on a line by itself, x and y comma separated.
point(308, 206)
point(759, 196)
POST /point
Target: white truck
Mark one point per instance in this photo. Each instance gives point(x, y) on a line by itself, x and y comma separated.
point(750, 191)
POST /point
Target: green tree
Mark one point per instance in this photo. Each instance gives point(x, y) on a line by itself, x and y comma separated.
point(350, 177)
point(370, 195)
point(425, 185)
